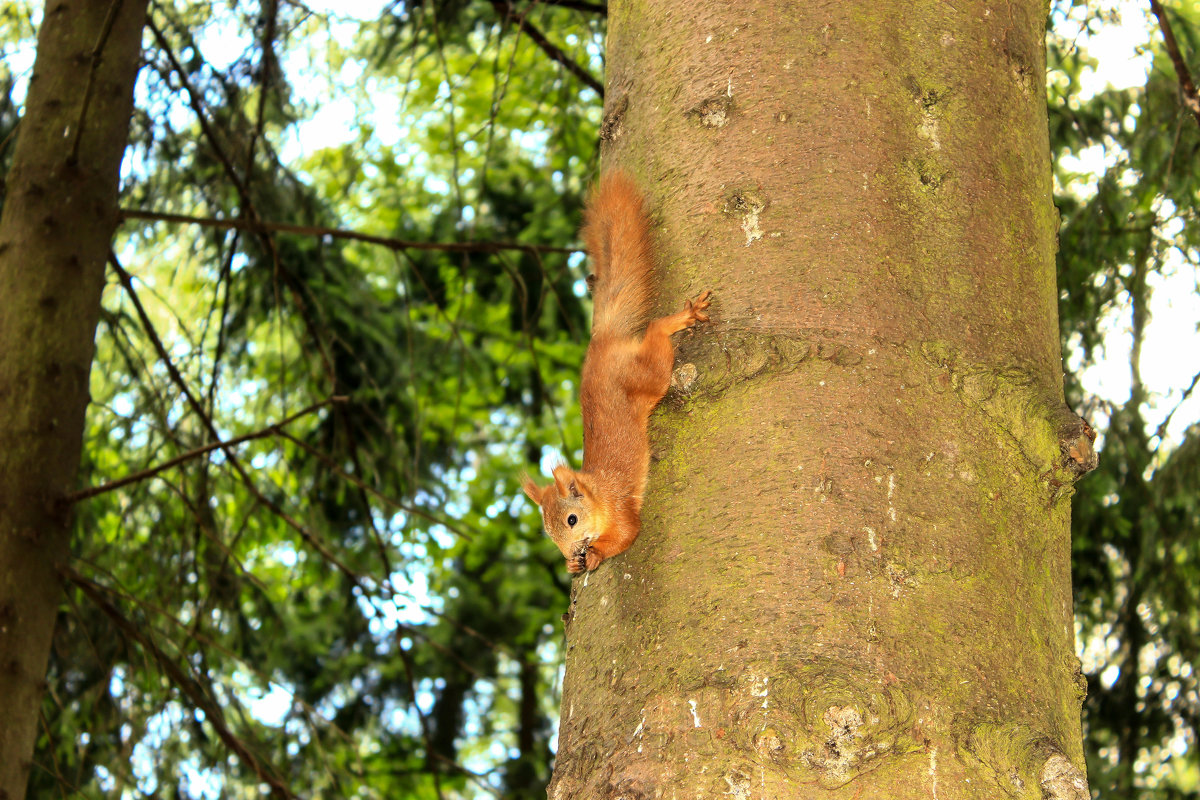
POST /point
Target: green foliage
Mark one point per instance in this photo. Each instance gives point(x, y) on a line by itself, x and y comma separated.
point(356, 602)
point(1136, 529)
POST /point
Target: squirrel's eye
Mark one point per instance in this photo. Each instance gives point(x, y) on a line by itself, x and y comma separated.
point(571, 520)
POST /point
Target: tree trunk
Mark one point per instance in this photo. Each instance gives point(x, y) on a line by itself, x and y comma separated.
point(854, 575)
point(60, 209)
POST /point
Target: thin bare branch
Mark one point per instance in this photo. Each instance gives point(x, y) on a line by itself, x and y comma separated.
point(59, 779)
point(422, 717)
point(230, 457)
point(247, 209)
point(197, 105)
point(97, 52)
point(260, 226)
point(1190, 97)
point(358, 482)
point(269, 11)
point(142, 475)
point(183, 681)
point(505, 9)
point(1162, 427)
point(578, 5)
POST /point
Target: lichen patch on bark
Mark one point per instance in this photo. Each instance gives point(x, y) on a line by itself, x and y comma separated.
point(748, 206)
point(1062, 780)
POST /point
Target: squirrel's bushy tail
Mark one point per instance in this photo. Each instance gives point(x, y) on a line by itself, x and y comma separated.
point(616, 233)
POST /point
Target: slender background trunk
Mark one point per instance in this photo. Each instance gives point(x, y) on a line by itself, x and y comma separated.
point(854, 576)
point(60, 209)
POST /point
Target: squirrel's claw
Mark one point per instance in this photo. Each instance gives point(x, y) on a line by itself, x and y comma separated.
point(579, 561)
point(696, 307)
point(586, 559)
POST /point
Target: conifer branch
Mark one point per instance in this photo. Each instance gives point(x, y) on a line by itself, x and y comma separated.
point(1187, 86)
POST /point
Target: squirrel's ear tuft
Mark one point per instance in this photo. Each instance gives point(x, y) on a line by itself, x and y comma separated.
point(564, 481)
point(532, 490)
point(580, 488)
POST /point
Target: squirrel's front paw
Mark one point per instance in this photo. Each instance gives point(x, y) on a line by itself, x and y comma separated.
point(697, 306)
point(579, 562)
point(593, 559)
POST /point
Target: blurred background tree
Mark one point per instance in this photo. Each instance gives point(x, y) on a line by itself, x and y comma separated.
point(350, 252)
point(1125, 156)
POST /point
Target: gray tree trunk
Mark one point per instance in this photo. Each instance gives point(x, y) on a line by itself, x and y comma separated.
point(854, 575)
point(60, 209)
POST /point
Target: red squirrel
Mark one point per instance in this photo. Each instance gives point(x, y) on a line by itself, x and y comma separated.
point(594, 514)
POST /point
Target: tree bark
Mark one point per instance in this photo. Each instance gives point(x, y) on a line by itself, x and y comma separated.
point(60, 209)
point(854, 574)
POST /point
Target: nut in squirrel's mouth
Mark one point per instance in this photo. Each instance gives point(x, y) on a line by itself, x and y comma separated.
point(580, 547)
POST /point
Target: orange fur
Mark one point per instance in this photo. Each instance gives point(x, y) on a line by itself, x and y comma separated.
point(594, 514)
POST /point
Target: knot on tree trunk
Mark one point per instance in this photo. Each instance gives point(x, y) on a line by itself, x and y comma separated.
point(1062, 780)
point(1075, 440)
point(1018, 756)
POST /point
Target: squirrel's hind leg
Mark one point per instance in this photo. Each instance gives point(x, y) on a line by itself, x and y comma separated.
point(656, 354)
